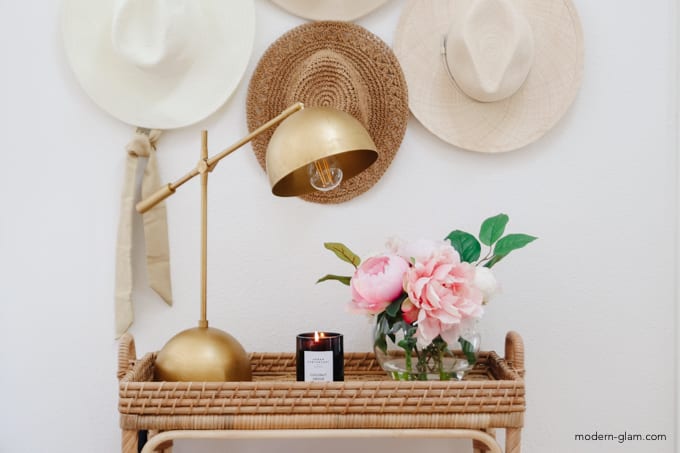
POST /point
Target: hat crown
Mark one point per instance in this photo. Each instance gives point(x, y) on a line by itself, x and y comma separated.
point(489, 49)
point(327, 78)
point(155, 35)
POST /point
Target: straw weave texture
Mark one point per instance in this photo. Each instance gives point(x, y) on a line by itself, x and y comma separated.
point(447, 112)
point(491, 396)
point(340, 65)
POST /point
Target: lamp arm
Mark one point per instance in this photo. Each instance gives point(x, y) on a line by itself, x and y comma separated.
point(168, 189)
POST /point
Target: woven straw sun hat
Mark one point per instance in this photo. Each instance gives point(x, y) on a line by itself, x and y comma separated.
point(490, 75)
point(347, 10)
point(339, 65)
point(159, 64)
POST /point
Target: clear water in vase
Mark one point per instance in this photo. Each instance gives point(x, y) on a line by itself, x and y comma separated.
point(437, 361)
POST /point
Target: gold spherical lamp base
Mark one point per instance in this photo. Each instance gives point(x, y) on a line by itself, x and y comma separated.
point(202, 354)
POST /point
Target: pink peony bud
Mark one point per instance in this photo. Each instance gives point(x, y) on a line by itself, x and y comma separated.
point(486, 282)
point(409, 311)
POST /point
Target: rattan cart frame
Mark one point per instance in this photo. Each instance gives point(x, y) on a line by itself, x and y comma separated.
point(367, 403)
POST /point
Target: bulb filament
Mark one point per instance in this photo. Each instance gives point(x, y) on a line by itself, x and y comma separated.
point(324, 171)
point(324, 175)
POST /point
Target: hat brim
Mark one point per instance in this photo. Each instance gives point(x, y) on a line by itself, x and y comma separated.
point(443, 109)
point(152, 100)
point(329, 9)
point(379, 73)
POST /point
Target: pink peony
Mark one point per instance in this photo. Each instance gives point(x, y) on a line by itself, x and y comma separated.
point(442, 288)
point(377, 282)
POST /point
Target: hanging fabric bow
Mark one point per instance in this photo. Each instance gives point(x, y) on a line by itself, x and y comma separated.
point(155, 230)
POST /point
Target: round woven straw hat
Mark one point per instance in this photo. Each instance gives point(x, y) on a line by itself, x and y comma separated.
point(553, 79)
point(340, 65)
point(159, 64)
point(329, 9)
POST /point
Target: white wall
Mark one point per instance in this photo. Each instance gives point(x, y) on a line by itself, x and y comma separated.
point(593, 298)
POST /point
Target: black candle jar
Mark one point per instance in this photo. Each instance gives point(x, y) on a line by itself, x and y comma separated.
point(319, 356)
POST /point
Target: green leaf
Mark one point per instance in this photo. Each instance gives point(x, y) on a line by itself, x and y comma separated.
point(492, 229)
point(399, 326)
point(342, 252)
point(341, 278)
point(466, 245)
point(393, 308)
point(468, 350)
point(493, 261)
point(511, 242)
point(407, 344)
point(383, 325)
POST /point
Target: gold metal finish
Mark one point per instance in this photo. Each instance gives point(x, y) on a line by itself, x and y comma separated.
point(311, 135)
point(155, 198)
point(272, 122)
point(203, 321)
point(305, 137)
point(164, 192)
point(202, 354)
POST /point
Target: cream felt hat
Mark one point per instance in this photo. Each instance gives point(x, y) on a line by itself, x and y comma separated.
point(158, 64)
point(346, 10)
point(490, 75)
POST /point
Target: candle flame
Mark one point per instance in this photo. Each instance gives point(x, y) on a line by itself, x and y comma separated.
point(316, 335)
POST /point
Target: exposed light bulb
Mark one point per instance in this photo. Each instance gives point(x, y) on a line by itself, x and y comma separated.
point(324, 174)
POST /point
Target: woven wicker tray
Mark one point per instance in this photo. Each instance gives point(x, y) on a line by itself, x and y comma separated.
point(492, 395)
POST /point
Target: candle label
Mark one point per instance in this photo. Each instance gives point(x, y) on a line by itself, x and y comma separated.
point(318, 365)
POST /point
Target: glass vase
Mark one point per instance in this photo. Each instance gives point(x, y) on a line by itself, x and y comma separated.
point(403, 359)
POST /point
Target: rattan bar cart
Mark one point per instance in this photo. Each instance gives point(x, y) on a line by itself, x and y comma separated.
point(367, 404)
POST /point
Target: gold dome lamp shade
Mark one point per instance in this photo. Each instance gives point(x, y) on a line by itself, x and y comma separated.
point(312, 148)
point(330, 145)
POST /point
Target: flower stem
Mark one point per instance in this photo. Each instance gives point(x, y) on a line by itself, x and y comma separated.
point(488, 256)
point(422, 364)
point(443, 375)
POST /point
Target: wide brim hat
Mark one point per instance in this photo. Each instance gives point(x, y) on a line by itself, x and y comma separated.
point(339, 65)
point(445, 110)
point(329, 9)
point(222, 39)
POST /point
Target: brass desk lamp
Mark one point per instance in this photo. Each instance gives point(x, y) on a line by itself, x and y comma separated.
point(312, 149)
